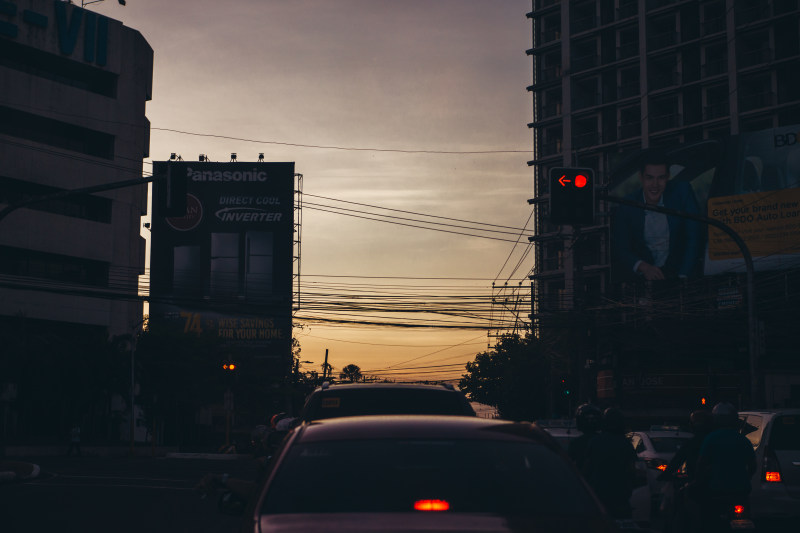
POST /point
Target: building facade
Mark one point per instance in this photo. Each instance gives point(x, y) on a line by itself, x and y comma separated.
point(74, 85)
point(613, 77)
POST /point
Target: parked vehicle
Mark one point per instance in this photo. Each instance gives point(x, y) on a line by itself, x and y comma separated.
point(423, 473)
point(775, 496)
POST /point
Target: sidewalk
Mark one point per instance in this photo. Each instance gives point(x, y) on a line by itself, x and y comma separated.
point(17, 471)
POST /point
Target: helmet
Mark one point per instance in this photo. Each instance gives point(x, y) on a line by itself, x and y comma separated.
point(588, 417)
point(725, 415)
point(613, 420)
point(701, 421)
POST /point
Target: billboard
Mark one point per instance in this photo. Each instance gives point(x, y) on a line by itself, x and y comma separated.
point(225, 266)
point(751, 182)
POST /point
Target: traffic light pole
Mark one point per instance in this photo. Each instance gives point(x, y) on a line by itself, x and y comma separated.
point(7, 210)
point(752, 322)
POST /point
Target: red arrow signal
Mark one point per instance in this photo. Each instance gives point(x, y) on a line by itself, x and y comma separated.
point(563, 181)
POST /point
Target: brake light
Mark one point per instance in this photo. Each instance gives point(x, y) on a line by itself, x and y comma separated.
point(738, 509)
point(431, 505)
point(662, 467)
point(772, 471)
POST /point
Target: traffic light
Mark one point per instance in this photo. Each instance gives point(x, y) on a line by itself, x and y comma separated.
point(572, 196)
point(175, 192)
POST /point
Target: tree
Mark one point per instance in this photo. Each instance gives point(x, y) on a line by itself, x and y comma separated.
point(512, 377)
point(351, 373)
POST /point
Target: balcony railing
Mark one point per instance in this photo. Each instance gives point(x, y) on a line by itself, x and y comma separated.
point(752, 58)
point(714, 68)
point(624, 51)
point(713, 26)
point(663, 80)
point(629, 130)
point(584, 62)
point(584, 140)
point(627, 90)
point(664, 122)
point(657, 41)
point(751, 101)
point(716, 110)
point(549, 74)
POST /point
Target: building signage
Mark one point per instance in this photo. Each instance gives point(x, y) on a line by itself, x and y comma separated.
point(225, 266)
point(72, 25)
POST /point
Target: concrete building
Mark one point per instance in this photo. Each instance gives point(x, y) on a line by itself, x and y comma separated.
point(73, 89)
point(611, 77)
point(72, 114)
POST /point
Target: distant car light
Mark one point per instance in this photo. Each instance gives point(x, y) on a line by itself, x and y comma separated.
point(431, 505)
point(662, 467)
point(738, 509)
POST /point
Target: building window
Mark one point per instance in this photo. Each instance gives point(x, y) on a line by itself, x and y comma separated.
point(58, 69)
point(661, 32)
point(664, 113)
point(585, 92)
point(630, 122)
point(755, 92)
point(752, 49)
point(629, 82)
point(716, 60)
point(55, 133)
point(716, 102)
point(83, 206)
point(33, 264)
point(583, 16)
point(713, 18)
point(662, 72)
point(584, 54)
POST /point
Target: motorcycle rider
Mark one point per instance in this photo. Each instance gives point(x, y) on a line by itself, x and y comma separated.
point(725, 466)
point(610, 465)
point(681, 472)
point(587, 419)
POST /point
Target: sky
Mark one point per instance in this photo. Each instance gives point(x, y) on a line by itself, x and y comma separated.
point(417, 106)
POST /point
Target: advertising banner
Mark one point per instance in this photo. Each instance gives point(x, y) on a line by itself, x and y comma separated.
point(751, 182)
point(225, 266)
point(760, 200)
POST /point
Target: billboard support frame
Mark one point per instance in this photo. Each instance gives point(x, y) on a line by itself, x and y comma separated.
point(752, 320)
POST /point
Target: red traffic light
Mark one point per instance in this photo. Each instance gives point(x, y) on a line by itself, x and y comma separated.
point(581, 181)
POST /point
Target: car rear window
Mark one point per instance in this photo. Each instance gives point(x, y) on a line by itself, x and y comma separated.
point(785, 433)
point(360, 402)
point(484, 476)
point(667, 444)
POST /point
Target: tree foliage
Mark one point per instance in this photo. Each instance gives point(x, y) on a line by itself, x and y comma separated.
point(512, 376)
point(351, 373)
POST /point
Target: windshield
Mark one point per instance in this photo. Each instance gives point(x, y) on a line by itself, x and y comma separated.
point(370, 401)
point(786, 433)
point(667, 444)
point(390, 476)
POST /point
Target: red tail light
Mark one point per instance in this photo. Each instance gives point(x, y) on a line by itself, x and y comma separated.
point(431, 505)
point(738, 510)
point(772, 471)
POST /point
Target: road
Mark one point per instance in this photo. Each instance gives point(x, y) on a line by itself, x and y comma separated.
point(120, 494)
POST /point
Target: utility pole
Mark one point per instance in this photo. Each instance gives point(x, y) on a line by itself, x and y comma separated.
point(325, 366)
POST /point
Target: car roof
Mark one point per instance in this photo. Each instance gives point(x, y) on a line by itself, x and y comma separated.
point(776, 411)
point(419, 426)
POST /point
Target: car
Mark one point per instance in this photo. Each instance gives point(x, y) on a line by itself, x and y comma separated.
point(423, 473)
point(656, 447)
point(775, 495)
point(564, 431)
point(358, 399)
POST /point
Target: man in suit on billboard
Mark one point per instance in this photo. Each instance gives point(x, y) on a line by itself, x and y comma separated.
point(651, 245)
